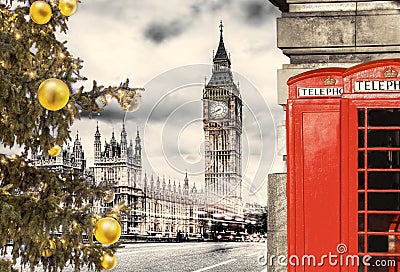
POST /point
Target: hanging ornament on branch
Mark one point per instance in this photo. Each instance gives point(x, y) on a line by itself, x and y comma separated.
point(53, 94)
point(48, 249)
point(108, 261)
point(67, 7)
point(107, 230)
point(129, 99)
point(40, 12)
point(54, 151)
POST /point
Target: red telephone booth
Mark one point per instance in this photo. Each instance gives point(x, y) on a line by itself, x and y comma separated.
point(343, 138)
point(313, 141)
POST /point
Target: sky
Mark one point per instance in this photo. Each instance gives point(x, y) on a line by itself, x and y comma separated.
point(166, 47)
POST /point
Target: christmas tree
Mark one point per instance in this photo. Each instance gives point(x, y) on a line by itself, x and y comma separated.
point(45, 215)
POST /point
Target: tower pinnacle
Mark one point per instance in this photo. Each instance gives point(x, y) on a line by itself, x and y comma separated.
point(221, 57)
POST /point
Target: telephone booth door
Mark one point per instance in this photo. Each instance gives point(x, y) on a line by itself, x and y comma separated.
point(314, 182)
point(371, 163)
point(374, 181)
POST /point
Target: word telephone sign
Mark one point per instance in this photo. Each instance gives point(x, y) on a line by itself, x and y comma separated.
point(343, 148)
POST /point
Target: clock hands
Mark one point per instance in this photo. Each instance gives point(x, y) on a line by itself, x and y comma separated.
point(217, 110)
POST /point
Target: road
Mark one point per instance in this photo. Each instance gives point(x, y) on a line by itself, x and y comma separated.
point(190, 257)
point(187, 257)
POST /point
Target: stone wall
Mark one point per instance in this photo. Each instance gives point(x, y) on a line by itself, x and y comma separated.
point(277, 218)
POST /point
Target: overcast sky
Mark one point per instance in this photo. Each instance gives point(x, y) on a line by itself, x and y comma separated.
point(166, 47)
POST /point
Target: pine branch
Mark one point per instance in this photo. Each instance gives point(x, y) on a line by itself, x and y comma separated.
point(42, 209)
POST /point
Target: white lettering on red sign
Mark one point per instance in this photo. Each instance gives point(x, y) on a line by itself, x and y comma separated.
point(376, 85)
point(335, 91)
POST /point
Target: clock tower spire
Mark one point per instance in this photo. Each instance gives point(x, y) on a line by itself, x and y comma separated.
point(221, 57)
point(222, 124)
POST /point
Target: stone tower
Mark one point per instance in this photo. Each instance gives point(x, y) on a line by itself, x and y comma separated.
point(222, 123)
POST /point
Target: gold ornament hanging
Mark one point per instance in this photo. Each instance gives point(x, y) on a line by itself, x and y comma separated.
point(40, 12)
point(129, 100)
point(108, 261)
point(48, 249)
point(107, 230)
point(53, 94)
point(67, 7)
point(108, 196)
point(54, 151)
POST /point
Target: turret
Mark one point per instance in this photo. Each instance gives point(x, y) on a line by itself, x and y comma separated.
point(186, 185)
point(152, 183)
point(169, 185)
point(124, 142)
point(145, 182)
point(113, 143)
point(138, 149)
point(78, 151)
point(163, 185)
point(97, 143)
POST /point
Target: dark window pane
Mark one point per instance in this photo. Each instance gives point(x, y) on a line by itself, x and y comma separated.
point(360, 159)
point(383, 201)
point(361, 199)
point(380, 222)
point(378, 159)
point(360, 138)
point(361, 180)
point(384, 180)
point(377, 243)
point(361, 119)
point(383, 138)
point(360, 243)
point(383, 117)
point(361, 222)
point(384, 159)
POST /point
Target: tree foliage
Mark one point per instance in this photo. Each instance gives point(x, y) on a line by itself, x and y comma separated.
point(38, 206)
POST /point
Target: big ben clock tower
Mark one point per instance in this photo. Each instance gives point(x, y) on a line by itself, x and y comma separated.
point(222, 123)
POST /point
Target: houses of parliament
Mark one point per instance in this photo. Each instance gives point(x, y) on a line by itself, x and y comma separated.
point(169, 206)
point(157, 204)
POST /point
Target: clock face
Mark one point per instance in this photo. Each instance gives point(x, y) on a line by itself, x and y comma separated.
point(218, 109)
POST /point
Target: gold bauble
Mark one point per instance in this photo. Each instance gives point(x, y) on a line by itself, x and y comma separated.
point(48, 250)
point(67, 7)
point(54, 151)
point(108, 196)
point(53, 94)
point(107, 230)
point(40, 12)
point(128, 100)
point(108, 261)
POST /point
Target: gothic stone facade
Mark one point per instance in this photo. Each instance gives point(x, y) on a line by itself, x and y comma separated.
point(70, 159)
point(155, 206)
